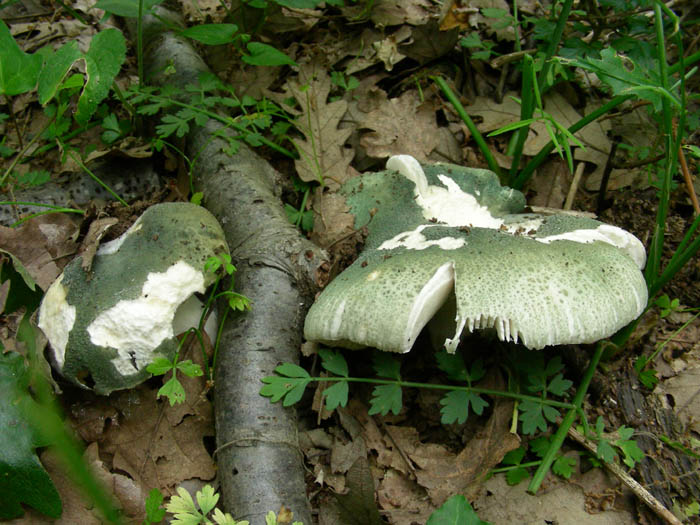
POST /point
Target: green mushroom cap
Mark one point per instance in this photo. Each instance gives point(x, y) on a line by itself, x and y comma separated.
point(105, 326)
point(454, 231)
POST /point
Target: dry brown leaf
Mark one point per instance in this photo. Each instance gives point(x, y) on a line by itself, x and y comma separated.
point(563, 501)
point(355, 506)
point(43, 245)
point(388, 49)
point(401, 125)
point(396, 12)
point(465, 14)
point(254, 81)
point(158, 446)
point(684, 389)
point(550, 184)
point(332, 218)
point(430, 43)
point(91, 242)
point(129, 494)
point(443, 473)
point(324, 158)
point(42, 33)
point(405, 501)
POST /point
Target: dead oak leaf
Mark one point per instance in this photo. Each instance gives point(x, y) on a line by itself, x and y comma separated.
point(401, 125)
point(323, 155)
point(156, 449)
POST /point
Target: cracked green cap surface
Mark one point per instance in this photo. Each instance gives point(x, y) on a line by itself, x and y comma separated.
point(538, 280)
point(107, 325)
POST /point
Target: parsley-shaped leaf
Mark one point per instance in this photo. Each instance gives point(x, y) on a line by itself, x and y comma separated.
point(336, 395)
point(539, 446)
point(558, 386)
point(453, 365)
point(456, 403)
point(515, 476)
point(333, 361)
point(386, 366)
point(189, 368)
point(173, 390)
point(385, 399)
point(564, 466)
point(531, 417)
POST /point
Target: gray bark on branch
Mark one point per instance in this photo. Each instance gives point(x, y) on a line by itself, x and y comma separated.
point(259, 461)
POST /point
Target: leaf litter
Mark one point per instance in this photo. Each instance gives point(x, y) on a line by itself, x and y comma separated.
point(412, 475)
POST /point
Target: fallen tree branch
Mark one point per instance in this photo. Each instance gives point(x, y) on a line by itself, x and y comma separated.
point(259, 460)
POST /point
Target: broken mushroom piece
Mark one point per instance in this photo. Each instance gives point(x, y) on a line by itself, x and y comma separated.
point(106, 325)
point(449, 230)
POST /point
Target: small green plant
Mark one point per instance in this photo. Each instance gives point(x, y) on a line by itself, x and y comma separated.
point(666, 305)
point(198, 104)
point(346, 83)
point(172, 388)
point(482, 49)
point(609, 445)
point(516, 471)
point(301, 218)
point(646, 375)
point(154, 507)
point(47, 71)
point(186, 512)
point(456, 405)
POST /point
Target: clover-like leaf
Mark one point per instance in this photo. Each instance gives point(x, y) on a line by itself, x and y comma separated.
point(189, 368)
point(160, 366)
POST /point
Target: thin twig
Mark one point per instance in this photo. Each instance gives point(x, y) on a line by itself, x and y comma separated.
point(639, 491)
point(688, 180)
point(574, 186)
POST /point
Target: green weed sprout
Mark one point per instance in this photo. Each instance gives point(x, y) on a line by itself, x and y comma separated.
point(186, 512)
point(172, 388)
point(458, 402)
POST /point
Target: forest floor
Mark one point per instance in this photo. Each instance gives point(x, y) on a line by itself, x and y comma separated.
point(361, 91)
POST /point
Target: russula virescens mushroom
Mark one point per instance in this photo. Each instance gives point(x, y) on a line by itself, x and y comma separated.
point(106, 325)
point(539, 280)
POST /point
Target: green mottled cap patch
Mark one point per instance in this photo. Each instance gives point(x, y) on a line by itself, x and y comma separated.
point(454, 231)
point(105, 327)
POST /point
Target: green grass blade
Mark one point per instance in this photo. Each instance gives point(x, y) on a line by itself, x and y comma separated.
point(483, 147)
